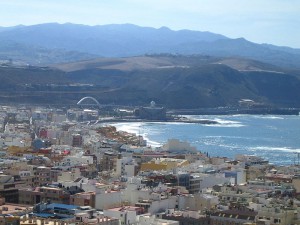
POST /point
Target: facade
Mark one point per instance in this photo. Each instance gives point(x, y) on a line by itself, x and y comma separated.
point(108, 161)
point(77, 140)
point(197, 202)
point(9, 186)
point(43, 194)
point(83, 199)
point(152, 219)
point(127, 214)
point(186, 217)
point(107, 198)
point(126, 166)
point(236, 176)
point(229, 217)
point(278, 215)
point(42, 175)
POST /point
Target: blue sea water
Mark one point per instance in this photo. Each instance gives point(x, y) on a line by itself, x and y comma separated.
point(275, 138)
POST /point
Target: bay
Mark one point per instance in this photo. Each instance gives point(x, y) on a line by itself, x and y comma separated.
point(275, 138)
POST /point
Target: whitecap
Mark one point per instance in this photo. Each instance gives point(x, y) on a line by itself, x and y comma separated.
point(269, 117)
point(129, 127)
point(269, 148)
point(224, 125)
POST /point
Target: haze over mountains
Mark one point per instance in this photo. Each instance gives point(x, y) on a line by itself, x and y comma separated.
point(131, 65)
point(55, 43)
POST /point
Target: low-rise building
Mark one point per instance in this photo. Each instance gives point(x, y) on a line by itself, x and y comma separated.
point(235, 216)
point(83, 199)
point(152, 219)
point(127, 214)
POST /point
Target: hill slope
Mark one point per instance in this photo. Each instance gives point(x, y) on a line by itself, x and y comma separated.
point(173, 81)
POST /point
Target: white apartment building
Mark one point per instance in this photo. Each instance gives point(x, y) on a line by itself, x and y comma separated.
point(107, 198)
point(126, 166)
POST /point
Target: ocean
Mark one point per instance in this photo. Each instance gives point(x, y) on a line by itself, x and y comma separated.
point(275, 138)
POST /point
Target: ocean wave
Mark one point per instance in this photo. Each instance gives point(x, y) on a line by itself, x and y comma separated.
point(128, 127)
point(137, 128)
point(226, 137)
point(269, 117)
point(224, 146)
point(269, 148)
point(224, 125)
point(223, 121)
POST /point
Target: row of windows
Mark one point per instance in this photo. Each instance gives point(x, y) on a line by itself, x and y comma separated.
point(42, 174)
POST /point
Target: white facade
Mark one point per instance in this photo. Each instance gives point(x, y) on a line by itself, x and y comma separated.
point(125, 215)
point(78, 159)
point(69, 175)
point(125, 167)
point(106, 199)
point(197, 201)
point(135, 192)
point(17, 141)
point(212, 179)
point(163, 204)
point(151, 219)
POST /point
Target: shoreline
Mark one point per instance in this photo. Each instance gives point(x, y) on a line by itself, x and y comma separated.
point(118, 120)
point(235, 111)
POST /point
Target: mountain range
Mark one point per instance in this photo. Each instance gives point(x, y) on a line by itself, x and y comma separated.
point(56, 43)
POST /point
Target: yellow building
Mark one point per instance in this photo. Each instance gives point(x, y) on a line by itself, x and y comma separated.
point(163, 164)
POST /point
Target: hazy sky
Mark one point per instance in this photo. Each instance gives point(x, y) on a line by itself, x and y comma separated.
point(262, 21)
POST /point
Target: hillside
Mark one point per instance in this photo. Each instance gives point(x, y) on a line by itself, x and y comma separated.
point(22, 54)
point(176, 82)
point(73, 42)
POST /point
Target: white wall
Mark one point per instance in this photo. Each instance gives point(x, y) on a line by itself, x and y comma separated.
point(162, 205)
point(151, 219)
point(211, 180)
point(126, 217)
point(132, 195)
point(108, 200)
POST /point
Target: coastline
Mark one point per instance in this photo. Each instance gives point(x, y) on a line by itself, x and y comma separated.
point(236, 110)
point(266, 136)
point(185, 120)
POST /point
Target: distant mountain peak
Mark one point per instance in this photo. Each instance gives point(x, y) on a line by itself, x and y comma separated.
point(165, 28)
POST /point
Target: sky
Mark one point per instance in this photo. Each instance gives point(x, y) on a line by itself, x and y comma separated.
point(262, 21)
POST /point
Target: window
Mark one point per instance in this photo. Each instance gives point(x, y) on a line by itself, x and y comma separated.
point(277, 221)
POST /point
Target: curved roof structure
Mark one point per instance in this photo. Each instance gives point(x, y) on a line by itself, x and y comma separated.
point(88, 97)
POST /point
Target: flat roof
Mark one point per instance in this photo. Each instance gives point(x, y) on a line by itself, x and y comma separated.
point(14, 208)
point(62, 206)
